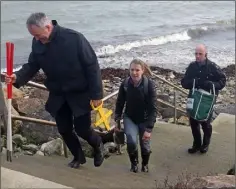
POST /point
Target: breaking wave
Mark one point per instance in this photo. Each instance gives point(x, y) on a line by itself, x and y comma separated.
point(191, 33)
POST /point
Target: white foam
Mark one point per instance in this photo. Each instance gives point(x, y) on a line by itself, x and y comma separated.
point(110, 49)
point(15, 69)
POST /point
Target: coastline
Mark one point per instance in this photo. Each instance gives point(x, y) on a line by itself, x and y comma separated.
point(109, 72)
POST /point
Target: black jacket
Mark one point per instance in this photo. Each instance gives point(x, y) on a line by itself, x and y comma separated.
point(71, 68)
point(139, 108)
point(204, 75)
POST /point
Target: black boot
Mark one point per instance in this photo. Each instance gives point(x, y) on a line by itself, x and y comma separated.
point(145, 160)
point(78, 160)
point(196, 147)
point(134, 161)
point(75, 163)
point(205, 146)
point(204, 149)
point(99, 155)
point(193, 150)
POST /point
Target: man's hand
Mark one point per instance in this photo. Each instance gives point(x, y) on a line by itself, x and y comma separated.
point(96, 103)
point(208, 84)
point(10, 79)
point(146, 135)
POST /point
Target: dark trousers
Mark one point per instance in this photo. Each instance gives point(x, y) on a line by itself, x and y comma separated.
point(207, 130)
point(68, 126)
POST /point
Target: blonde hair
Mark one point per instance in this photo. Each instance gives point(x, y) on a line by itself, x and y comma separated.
point(147, 71)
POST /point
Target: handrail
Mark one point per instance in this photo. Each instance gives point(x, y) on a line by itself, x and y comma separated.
point(40, 86)
point(171, 84)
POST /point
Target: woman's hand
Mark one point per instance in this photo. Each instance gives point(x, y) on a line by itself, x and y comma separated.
point(146, 135)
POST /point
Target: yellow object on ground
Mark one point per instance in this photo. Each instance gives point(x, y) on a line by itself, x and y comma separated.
point(103, 117)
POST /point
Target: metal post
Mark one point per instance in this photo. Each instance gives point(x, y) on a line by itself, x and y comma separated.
point(175, 106)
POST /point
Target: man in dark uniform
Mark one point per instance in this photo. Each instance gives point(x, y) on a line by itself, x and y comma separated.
point(73, 79)
point(205, 73)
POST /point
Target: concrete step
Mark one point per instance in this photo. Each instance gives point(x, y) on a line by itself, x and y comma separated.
point(55, 169)
point(169, 158)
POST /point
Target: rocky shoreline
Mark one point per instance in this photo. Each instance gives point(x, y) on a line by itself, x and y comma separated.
point(31, 138)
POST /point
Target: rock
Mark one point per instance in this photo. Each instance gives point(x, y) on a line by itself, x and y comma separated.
point(105, 81)
point(88, 150)
point(53, 147)
point(16, 124)
point(50, 138)
point(17, 150)
point(30, 147)
point(116, 79)
point(17, 94)
point(3, 140)
point(164, 97)
point(171, 75)
point(40, 153)
point(183, 120)
point(210, 182)
point(29, 153)
point(225, 108)
point(4, 150)
point(223, 91)
point(34, 132)
point(169, 112)
point(171, 120)
point(108, 86)
point(18, 139)
point(231, 83)
point(110, 147)
point(231, 171)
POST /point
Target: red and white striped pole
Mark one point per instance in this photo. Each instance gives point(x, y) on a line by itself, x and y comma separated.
point(9, 55)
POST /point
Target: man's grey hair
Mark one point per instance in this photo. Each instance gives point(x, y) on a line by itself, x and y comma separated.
point(38, 19)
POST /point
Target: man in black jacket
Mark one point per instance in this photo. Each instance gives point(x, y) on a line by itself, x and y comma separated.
point(205, 73)
point(73, 79)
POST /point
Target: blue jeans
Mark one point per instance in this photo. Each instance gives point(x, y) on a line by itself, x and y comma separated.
point(132, 131)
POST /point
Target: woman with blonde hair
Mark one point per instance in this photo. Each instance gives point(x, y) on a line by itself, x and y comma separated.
point(137, 93)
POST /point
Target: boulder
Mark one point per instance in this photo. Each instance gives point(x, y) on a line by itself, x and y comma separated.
point(30, 147)
point(164, 97)
point(40, 153)
point(19, 140)
point(231, 83)
point(35, 132)
point(53, 147)
point(210, 182)
point(17, 94)
point(29, 153)
point(183, 120)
